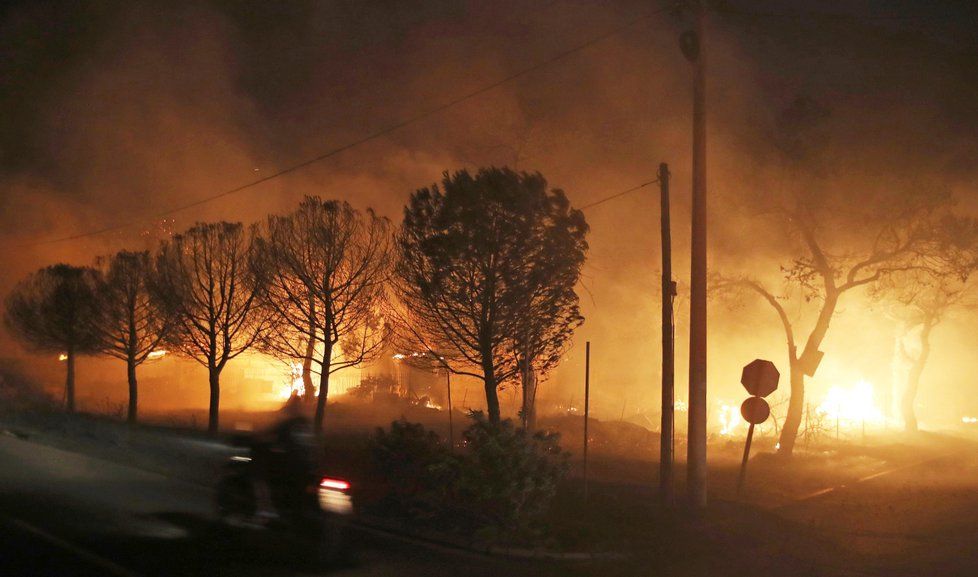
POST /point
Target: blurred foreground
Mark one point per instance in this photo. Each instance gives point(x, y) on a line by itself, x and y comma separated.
point(895, 505)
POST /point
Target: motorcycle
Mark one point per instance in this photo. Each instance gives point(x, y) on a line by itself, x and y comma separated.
point(312, 509)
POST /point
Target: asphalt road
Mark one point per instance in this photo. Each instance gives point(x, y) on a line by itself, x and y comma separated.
point(917, 520)
point(65, 514)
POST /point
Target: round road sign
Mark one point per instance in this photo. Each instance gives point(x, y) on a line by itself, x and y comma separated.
point(760, 378)
point(755, 410)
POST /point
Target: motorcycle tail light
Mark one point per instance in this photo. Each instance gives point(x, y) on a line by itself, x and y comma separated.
point(334, 484)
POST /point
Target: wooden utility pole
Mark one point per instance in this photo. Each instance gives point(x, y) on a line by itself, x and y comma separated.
point(668, 423)
point(693, 46)
point(587, 405)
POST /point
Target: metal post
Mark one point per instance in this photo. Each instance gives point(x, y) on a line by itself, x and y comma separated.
point(451, 424)
point(668, 423)
point(696, 447)
point(587, 405)
point(743, 463)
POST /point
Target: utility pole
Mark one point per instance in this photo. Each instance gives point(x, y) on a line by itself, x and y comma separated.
point(668, 424)
point(693, 46)
point(587, 405)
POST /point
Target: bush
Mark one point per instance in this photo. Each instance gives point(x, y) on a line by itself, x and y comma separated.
point(18, 393)
point(507, 477)
point(413, 462)
point(500, 484)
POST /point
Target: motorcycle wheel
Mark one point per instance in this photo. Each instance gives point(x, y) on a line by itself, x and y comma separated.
point(235, 499)
point(333, 548)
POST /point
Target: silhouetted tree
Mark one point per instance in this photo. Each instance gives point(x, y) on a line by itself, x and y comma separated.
point(206, 284)
point(55, 310)
point(923, 298)
point(134, 323)
point(326, 266)
point(835, 239)
point(900, 240)
point(486, 270)
point(921, 316)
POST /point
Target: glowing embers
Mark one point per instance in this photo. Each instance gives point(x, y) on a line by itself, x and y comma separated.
point(852, 407)
point(402, 356)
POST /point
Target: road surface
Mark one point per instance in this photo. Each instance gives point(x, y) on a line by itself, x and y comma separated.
point(66, 514)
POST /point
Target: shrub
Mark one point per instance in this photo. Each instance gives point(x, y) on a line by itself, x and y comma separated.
point(18, 393)
point(507, 477)
point(412, 461)
point(500, 484)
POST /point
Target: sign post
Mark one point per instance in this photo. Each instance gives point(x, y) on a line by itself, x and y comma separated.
point(760, 378)
point(587, 406)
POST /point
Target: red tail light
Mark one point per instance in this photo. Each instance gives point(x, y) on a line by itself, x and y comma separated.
point(335, 484)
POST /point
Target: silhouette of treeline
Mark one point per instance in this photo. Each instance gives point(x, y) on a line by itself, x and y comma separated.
point(477, 280)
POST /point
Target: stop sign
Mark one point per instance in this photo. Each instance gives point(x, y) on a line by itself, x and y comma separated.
point(760, 378)
point(755, 410)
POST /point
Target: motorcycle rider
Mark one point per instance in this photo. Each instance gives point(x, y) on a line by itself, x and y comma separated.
point(282, 459)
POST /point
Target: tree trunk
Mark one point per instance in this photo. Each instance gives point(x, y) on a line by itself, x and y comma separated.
point(133, 390)
point(215, 403)
point(131, 348)
point(492, 395)
point(323, 389)
point(530, 399)
point(70, 381)
point(307, 389)
point(310, 351)
point(913, 380)
point(321, 399)
point(796, 405)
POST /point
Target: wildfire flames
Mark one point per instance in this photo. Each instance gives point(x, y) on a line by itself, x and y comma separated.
point(852, 407)
point(729, 418)
point(294, 384)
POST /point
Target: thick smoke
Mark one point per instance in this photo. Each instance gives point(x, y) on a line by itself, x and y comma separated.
point(122, 110)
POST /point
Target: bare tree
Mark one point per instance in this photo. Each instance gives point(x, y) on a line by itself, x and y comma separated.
point(55, 310)
point(326, 266)
point(922, 302)
point(476, 257)
point(134, 323)
point(205, 281)
point(922, 315)
point(907, 235)
point(836, 240)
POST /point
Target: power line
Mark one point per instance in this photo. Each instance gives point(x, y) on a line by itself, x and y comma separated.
point(801, 15)
point(377, 134)
point(618, 194)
